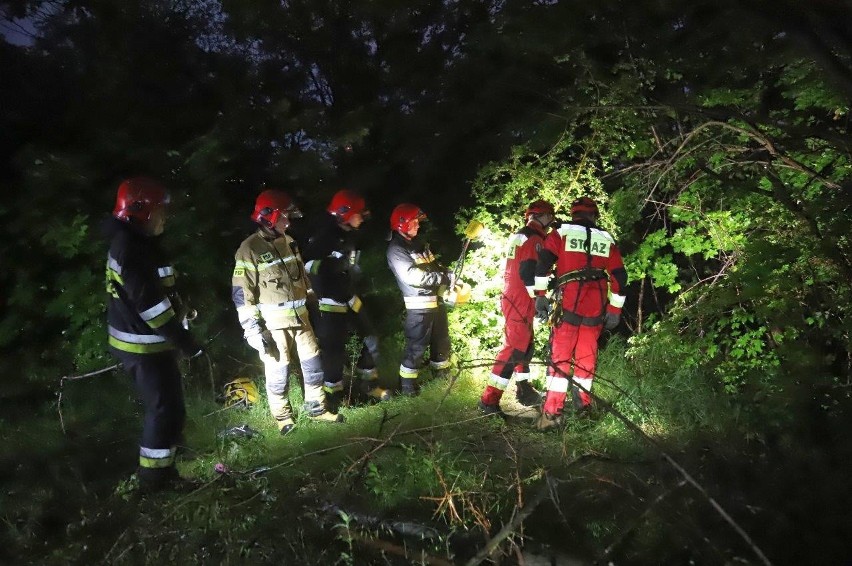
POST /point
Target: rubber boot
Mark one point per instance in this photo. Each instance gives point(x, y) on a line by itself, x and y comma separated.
point(527, 395)
point(316, 412)
point(409, 387)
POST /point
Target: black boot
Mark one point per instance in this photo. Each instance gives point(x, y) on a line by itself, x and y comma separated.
point(584, 405)
point(154, 480)
point(333, 401)
point(491, 410)
point(527, 395)
point(409, 387)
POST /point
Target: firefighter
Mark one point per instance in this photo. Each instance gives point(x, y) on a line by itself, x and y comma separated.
point(145, 316)
point(271, 290)
point(422, 281)
point(518, 308)
point(588, 286)
point(332, 258)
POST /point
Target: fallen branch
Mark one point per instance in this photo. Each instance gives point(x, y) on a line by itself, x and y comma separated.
point(546, 490)
point(397, 550)
point(512, 526)
point(673, 463)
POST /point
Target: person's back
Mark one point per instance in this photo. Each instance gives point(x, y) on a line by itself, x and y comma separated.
point(590, 278)
point(144, 317)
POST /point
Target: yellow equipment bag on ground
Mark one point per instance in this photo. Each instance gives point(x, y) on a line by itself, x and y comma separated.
point(241, 391)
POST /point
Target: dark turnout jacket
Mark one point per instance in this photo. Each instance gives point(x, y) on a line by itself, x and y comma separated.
point(419, 275)
point(144, 313)
point(331, 260)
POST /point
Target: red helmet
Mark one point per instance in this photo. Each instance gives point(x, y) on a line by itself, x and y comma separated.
point(584, 205)
point(345, 204)
point(403, 214)
point(539, 207)
point(271, 204)
point(138, 197)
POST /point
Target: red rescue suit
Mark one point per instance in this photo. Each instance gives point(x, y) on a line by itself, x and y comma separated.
point(518, 309)
point(590, 277)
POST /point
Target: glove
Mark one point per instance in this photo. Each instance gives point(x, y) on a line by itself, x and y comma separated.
point(542, 308)
point(611, 321)
point(264, 344)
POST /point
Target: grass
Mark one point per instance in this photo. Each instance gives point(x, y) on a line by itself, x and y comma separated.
point(426, 462)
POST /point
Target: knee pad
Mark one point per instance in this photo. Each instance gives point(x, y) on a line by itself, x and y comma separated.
point(312, 371)
point(277, 376)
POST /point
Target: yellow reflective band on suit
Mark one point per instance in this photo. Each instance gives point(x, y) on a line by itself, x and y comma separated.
point(617, 300)
point(421, 302)
point(270, 264)
point(313, 266)
point(441, 365)
point(355, 303)
point(159, 314)
point(167, 275)
point(113, 265)
point(368, 374)
point(137, 343)
point(139, 348)
point(289, 308)
point(241, 266)
point(408, 373)
point(113, 277)
point(329, 305)
point(156, 457)
point(422, 257)
point(332, 387)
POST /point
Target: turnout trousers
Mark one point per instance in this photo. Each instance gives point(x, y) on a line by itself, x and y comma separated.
point(157, 380)
point(425, 328)
point(574, 351)
point(297, 343)
point(516, 353)
point(333, 332)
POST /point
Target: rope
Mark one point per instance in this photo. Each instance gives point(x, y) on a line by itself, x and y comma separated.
point(119, 365)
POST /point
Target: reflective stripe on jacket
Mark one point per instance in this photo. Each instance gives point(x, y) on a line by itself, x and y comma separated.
point(269, 285)
point(144, 311)
point(419, 275)
point(331, 258)
point(521, 257)
point(578, 247)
